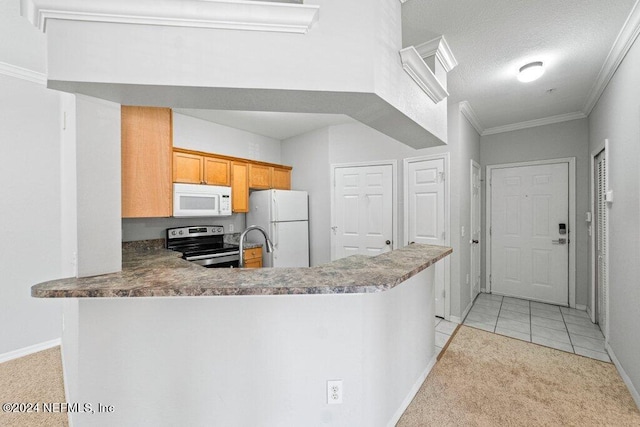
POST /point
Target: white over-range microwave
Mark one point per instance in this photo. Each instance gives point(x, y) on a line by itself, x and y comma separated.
point(201, 200)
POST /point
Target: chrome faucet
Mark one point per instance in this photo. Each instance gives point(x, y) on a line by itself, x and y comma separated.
point(268, 243)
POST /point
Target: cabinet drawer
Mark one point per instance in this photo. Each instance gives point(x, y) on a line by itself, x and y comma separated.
point(253, 253)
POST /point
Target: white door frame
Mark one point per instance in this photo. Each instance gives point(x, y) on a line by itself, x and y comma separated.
point(447, 228)
point(394, 197)
point(572, 218)
point(471, 165)
point(592, 236)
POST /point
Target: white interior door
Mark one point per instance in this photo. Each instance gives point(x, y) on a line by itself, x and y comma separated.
point(529, 253)
point(363, 210)
point(426, 218)
point(600, 188)
point(475, 229)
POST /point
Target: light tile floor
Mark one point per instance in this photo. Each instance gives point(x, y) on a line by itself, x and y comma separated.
point(549, 325)
point(444, 329)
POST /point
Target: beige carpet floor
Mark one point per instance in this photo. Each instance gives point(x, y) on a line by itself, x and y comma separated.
point(485, 379)
point(30, 379)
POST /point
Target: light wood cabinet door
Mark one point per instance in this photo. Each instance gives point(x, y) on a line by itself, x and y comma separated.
point(253, 258)
point(147, 140)
point(281, 179)
point(187, 168)
point(240, 186)
point(259, 176)
point(217, 171)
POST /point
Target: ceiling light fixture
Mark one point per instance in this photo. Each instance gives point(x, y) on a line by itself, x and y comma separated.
point(530, 72)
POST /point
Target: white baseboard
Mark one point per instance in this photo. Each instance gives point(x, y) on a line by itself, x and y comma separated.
point(581, 307)
point(412, 393)
point(458, 320)
point(623, 374)
point(21, 352)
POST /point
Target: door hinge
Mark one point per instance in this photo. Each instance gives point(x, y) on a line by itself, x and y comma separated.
point(441, 176)
point(444, 236)
point(490, 231)
point(444, 294)
point(490, 281)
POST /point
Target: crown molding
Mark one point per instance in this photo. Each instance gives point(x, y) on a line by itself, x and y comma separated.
point(467, 111)
point(440, 48)
point(415, 66)
point(218, 14)
point(22, 73)
point(621, 46)
point(537, 122)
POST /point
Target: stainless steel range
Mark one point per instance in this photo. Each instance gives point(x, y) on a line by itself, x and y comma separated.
point(204, 245)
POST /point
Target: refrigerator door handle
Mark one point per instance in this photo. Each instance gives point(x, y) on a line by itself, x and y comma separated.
point(274, 238)
point(275, 208)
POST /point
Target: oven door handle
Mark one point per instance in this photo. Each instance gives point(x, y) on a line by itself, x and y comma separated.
point(207, 256)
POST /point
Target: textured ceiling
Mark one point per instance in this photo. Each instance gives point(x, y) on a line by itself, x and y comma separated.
point(492, 39)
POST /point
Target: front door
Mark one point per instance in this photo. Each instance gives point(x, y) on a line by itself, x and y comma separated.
point(363, 210)
point(426, 214)
point(530, 232)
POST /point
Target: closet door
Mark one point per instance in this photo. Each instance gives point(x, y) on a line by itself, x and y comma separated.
point(602, 283)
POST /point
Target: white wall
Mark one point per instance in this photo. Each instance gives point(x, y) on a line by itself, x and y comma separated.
point(559, 140)
point(31, 211)
point(617, 117)
point(342, 65)
point(252, 360)
point(310, 155)
point(98, 186)
point(21, 44)
point(197, 134)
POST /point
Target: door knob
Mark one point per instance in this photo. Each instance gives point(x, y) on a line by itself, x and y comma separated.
point(388, 242)
point(475, 241)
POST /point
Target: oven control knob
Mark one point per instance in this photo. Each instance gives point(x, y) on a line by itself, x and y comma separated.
point(180, 232)
point(173, 233)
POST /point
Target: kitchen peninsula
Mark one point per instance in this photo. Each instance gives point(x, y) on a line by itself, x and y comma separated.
point(167, 342)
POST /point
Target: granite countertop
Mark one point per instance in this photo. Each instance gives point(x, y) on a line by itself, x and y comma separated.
point(154, 272)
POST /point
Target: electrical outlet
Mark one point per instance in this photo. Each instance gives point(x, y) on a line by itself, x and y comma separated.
point(467, 278)
point(231, 228)
point(462, 231)
point(334, 392)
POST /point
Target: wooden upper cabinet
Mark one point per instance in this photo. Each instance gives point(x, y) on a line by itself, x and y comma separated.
point(240, 186)
point(259, 176)
point(147, 140)
point(217, 171)
point(281, 178)
point(187, 168)
point(199, 167)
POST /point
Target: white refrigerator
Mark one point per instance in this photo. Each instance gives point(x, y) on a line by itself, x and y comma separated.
point(285, 216)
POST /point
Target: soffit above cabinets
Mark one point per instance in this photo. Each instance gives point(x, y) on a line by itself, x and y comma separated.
point(221, 14)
